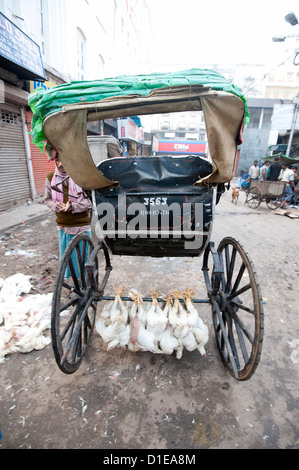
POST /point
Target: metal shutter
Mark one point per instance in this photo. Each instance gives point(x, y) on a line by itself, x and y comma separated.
point(14, 178)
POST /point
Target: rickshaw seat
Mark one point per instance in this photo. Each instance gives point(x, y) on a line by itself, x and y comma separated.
point(165, 171)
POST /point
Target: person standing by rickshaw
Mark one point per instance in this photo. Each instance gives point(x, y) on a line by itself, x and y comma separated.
point(70, 205)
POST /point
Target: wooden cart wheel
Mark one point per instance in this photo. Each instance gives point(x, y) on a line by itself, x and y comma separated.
point(273, 202)
point(254, 197)
point(73, 306)
point(237, 310)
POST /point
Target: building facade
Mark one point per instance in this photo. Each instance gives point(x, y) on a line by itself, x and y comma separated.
point(44, 43)
point(256, 134)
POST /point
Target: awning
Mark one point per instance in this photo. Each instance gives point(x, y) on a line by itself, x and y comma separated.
point(282, 159)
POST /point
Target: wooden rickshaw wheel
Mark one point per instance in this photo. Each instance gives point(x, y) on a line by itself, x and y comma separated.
point(254, 197)
point(273, 202)
point(73, 305)
point(237, 310)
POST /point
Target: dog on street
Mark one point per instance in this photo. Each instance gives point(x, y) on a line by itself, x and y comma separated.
point(235, 194)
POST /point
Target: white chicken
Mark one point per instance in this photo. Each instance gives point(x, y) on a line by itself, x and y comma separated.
point(24, 318)
point(168, 343)
point(27, 339)
point(140, 337)
point(6, 346)
point(155, 329)
point(118, 309)
point(112, 323)
point(121, 339)
point(15, 285)
point(178, 317)
point(105, 329)
point(189, 342)
point(199, 330)
point(157, 318)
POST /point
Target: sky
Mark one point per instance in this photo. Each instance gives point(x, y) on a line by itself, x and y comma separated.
point(195, 32)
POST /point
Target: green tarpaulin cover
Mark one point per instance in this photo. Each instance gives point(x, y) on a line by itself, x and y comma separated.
point(46, 102)
point(282, 159)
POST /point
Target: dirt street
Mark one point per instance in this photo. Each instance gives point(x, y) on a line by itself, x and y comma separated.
point(124, 400)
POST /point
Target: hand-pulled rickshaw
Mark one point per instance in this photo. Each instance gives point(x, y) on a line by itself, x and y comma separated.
point(190, 182)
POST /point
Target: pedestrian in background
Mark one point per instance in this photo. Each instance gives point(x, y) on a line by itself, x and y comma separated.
point(274, 170)
point(264, 171)
point(70, 205)
point(254, 171)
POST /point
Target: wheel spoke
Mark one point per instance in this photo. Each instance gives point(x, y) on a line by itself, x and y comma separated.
point(73, 274)
point(70, 324)
point(69, 304)
point(239, 292)
point(81, 262)
point(242, 343)
point(243, 307)
point(241, 325)
point(72, 289)
point(232, 339)
point(225, 339)
point(239, 277)
point(74, 339)
point(231, 270)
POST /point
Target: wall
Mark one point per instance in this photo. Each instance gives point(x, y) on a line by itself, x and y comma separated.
point(256, 133)
point(254, 147)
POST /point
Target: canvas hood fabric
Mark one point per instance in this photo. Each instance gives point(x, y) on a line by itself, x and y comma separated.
point(60, 116)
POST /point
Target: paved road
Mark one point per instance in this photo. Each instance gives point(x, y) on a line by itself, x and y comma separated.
point(124, 400)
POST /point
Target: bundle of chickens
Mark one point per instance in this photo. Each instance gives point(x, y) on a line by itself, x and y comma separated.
point(23, 318)
point(159, 329)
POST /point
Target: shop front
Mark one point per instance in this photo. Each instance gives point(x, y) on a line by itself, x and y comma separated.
point(131, 135)
point(181, 147)
point(20, 61)
point(41, 165)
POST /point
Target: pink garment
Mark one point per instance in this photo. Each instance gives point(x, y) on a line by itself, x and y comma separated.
point(73, 188)
point(80, 205)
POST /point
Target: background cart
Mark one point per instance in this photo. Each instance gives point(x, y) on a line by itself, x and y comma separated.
point(191, 183)
point(269, 191)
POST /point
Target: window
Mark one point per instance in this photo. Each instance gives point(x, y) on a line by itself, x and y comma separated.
point(42, 27)
point(255, 115)
point(165, 125)
point(267, 116)
point(10, 117)
point(81, 41)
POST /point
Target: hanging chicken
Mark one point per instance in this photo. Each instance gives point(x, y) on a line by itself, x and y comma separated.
point(156, 317)
point(197, 327)
point(159, 330)
point(168, 343)
point(140, 336)
point(112, 324)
